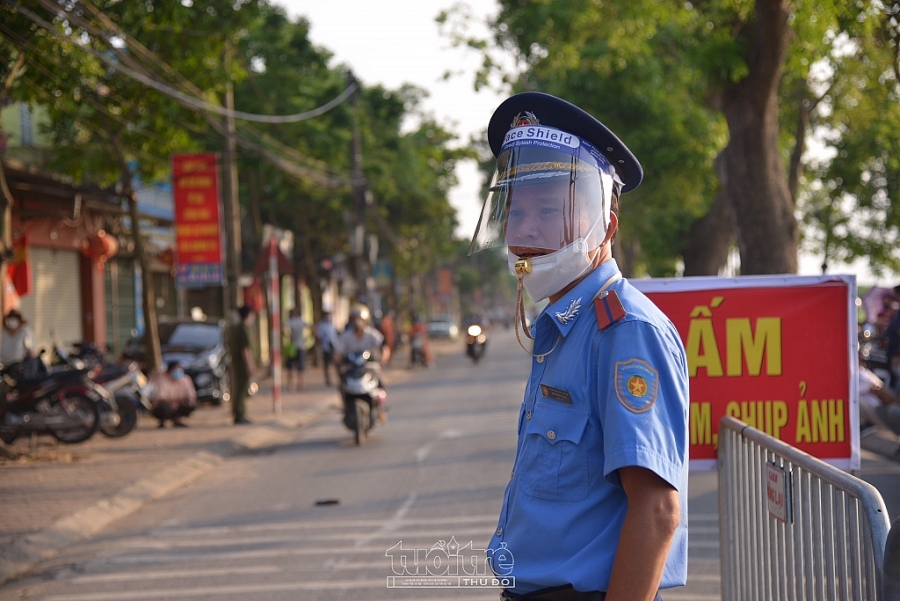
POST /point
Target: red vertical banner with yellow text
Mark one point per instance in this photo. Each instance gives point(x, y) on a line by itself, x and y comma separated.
point(778, 353)
point(198, 232)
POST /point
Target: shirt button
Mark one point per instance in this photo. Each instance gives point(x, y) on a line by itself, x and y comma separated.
point(528, 414)
point(513, 473)
point(500, 531)
point(551, 434)
point(540, 359)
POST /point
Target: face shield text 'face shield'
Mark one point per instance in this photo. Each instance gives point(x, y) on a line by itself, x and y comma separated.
point(550, 189)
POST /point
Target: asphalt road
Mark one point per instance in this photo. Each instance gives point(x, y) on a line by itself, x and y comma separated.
point(317, 518)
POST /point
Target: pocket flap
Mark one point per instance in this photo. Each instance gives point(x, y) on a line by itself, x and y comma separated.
point(555, 422)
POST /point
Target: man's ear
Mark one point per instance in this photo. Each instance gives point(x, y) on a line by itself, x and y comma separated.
point(612, 229)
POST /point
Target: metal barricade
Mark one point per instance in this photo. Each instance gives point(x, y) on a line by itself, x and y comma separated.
point(792, 526)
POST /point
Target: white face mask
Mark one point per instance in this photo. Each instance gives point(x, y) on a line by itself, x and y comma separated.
point(554, 271)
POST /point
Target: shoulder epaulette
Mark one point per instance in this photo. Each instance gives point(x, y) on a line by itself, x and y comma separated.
point(609, 309)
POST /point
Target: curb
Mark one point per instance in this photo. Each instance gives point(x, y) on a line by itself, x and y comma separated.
point(20, 556)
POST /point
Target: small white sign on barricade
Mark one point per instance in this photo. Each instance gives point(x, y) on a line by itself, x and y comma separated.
point(778, 493)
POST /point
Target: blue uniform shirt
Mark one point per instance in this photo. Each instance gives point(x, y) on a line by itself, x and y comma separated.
point(601, 400)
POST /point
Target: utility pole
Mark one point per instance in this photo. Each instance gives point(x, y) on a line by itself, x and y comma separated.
point(231, 207)
point(360, 200)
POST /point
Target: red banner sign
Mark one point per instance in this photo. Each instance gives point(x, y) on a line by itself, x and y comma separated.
point(778, 353)
point(198, 237)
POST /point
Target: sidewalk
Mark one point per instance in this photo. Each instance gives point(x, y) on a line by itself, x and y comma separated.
point(54, 495)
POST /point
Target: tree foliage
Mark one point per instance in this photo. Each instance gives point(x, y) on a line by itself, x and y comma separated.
point(719, 100)
point(105, 123)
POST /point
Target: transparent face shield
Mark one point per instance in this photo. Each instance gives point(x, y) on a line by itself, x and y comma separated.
point(545, 196)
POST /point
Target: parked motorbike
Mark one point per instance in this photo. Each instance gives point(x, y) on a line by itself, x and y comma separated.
point(50, 403)
point(476, 341)
point(362, 393)
point(128, 387)
point(119, 390)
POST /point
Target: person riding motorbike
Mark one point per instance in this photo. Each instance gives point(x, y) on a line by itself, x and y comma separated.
point(360, 336)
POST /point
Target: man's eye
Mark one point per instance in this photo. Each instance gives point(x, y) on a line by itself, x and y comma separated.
point(549, 211)
point(516, 214)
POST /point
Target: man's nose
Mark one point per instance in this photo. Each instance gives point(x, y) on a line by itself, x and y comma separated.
point(526, 229)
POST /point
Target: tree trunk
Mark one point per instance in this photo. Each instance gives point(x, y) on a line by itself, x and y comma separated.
point(306, 269)
point(154, 352)
point(710, 237)
point(756, 182)
point(148, 295)
point(708, 240)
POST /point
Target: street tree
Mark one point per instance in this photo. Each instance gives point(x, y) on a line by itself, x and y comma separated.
point(407, 159)
point(105, 125)
point(718, 100)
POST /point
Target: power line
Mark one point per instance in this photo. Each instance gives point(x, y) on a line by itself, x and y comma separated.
point(289, 164)
point(186, 98)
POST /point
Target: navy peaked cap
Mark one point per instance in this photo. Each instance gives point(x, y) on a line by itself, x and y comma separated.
point(556, 112)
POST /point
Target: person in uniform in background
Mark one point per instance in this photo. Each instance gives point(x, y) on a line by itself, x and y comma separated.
point(296, 365)
point(596, 507)
point(326, 336)
point(18, 339)
point(173, 395)
point(242, 365)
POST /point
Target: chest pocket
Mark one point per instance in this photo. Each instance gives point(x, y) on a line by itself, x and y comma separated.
point(553, 465)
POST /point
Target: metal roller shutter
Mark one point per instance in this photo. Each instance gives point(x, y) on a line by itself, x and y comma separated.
point(53, 309)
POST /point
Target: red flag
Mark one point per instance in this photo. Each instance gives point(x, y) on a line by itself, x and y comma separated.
point(19, 270)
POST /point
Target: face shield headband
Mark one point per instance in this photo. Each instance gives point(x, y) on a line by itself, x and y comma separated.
point(549, 189)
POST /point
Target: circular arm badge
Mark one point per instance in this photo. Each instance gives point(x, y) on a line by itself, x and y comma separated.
point(637, 385)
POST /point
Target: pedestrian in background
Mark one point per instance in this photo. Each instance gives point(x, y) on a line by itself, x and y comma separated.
point(596, 507)
point(878, 406)
point(326, 336)
point(892, 336)
point(18, 339)
point(388, 329)
point(242, 364)
point(173, 396)
point(296, 365)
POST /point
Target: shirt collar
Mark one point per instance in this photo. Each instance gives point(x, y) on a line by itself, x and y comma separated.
point(577, 301)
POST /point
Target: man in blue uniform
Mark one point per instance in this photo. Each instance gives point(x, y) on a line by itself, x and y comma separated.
point(596, 507)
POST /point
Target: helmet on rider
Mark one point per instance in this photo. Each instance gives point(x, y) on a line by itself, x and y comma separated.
point(360, 316)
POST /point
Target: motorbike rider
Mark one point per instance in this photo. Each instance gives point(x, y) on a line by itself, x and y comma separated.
point(418, 336)
point(360, 336)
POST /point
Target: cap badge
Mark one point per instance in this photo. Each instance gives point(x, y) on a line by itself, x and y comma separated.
point(525, 118)
point(569, 314)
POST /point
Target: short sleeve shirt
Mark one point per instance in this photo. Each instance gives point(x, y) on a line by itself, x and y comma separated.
point(370, 340)
point(15, 345)
point(326, 333)
point(298, 328)
point(601, 400)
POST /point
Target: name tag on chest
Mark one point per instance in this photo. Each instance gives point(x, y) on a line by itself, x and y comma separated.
point(556, 394)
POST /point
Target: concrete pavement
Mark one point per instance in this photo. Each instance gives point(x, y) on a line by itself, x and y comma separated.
point(54, 495)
